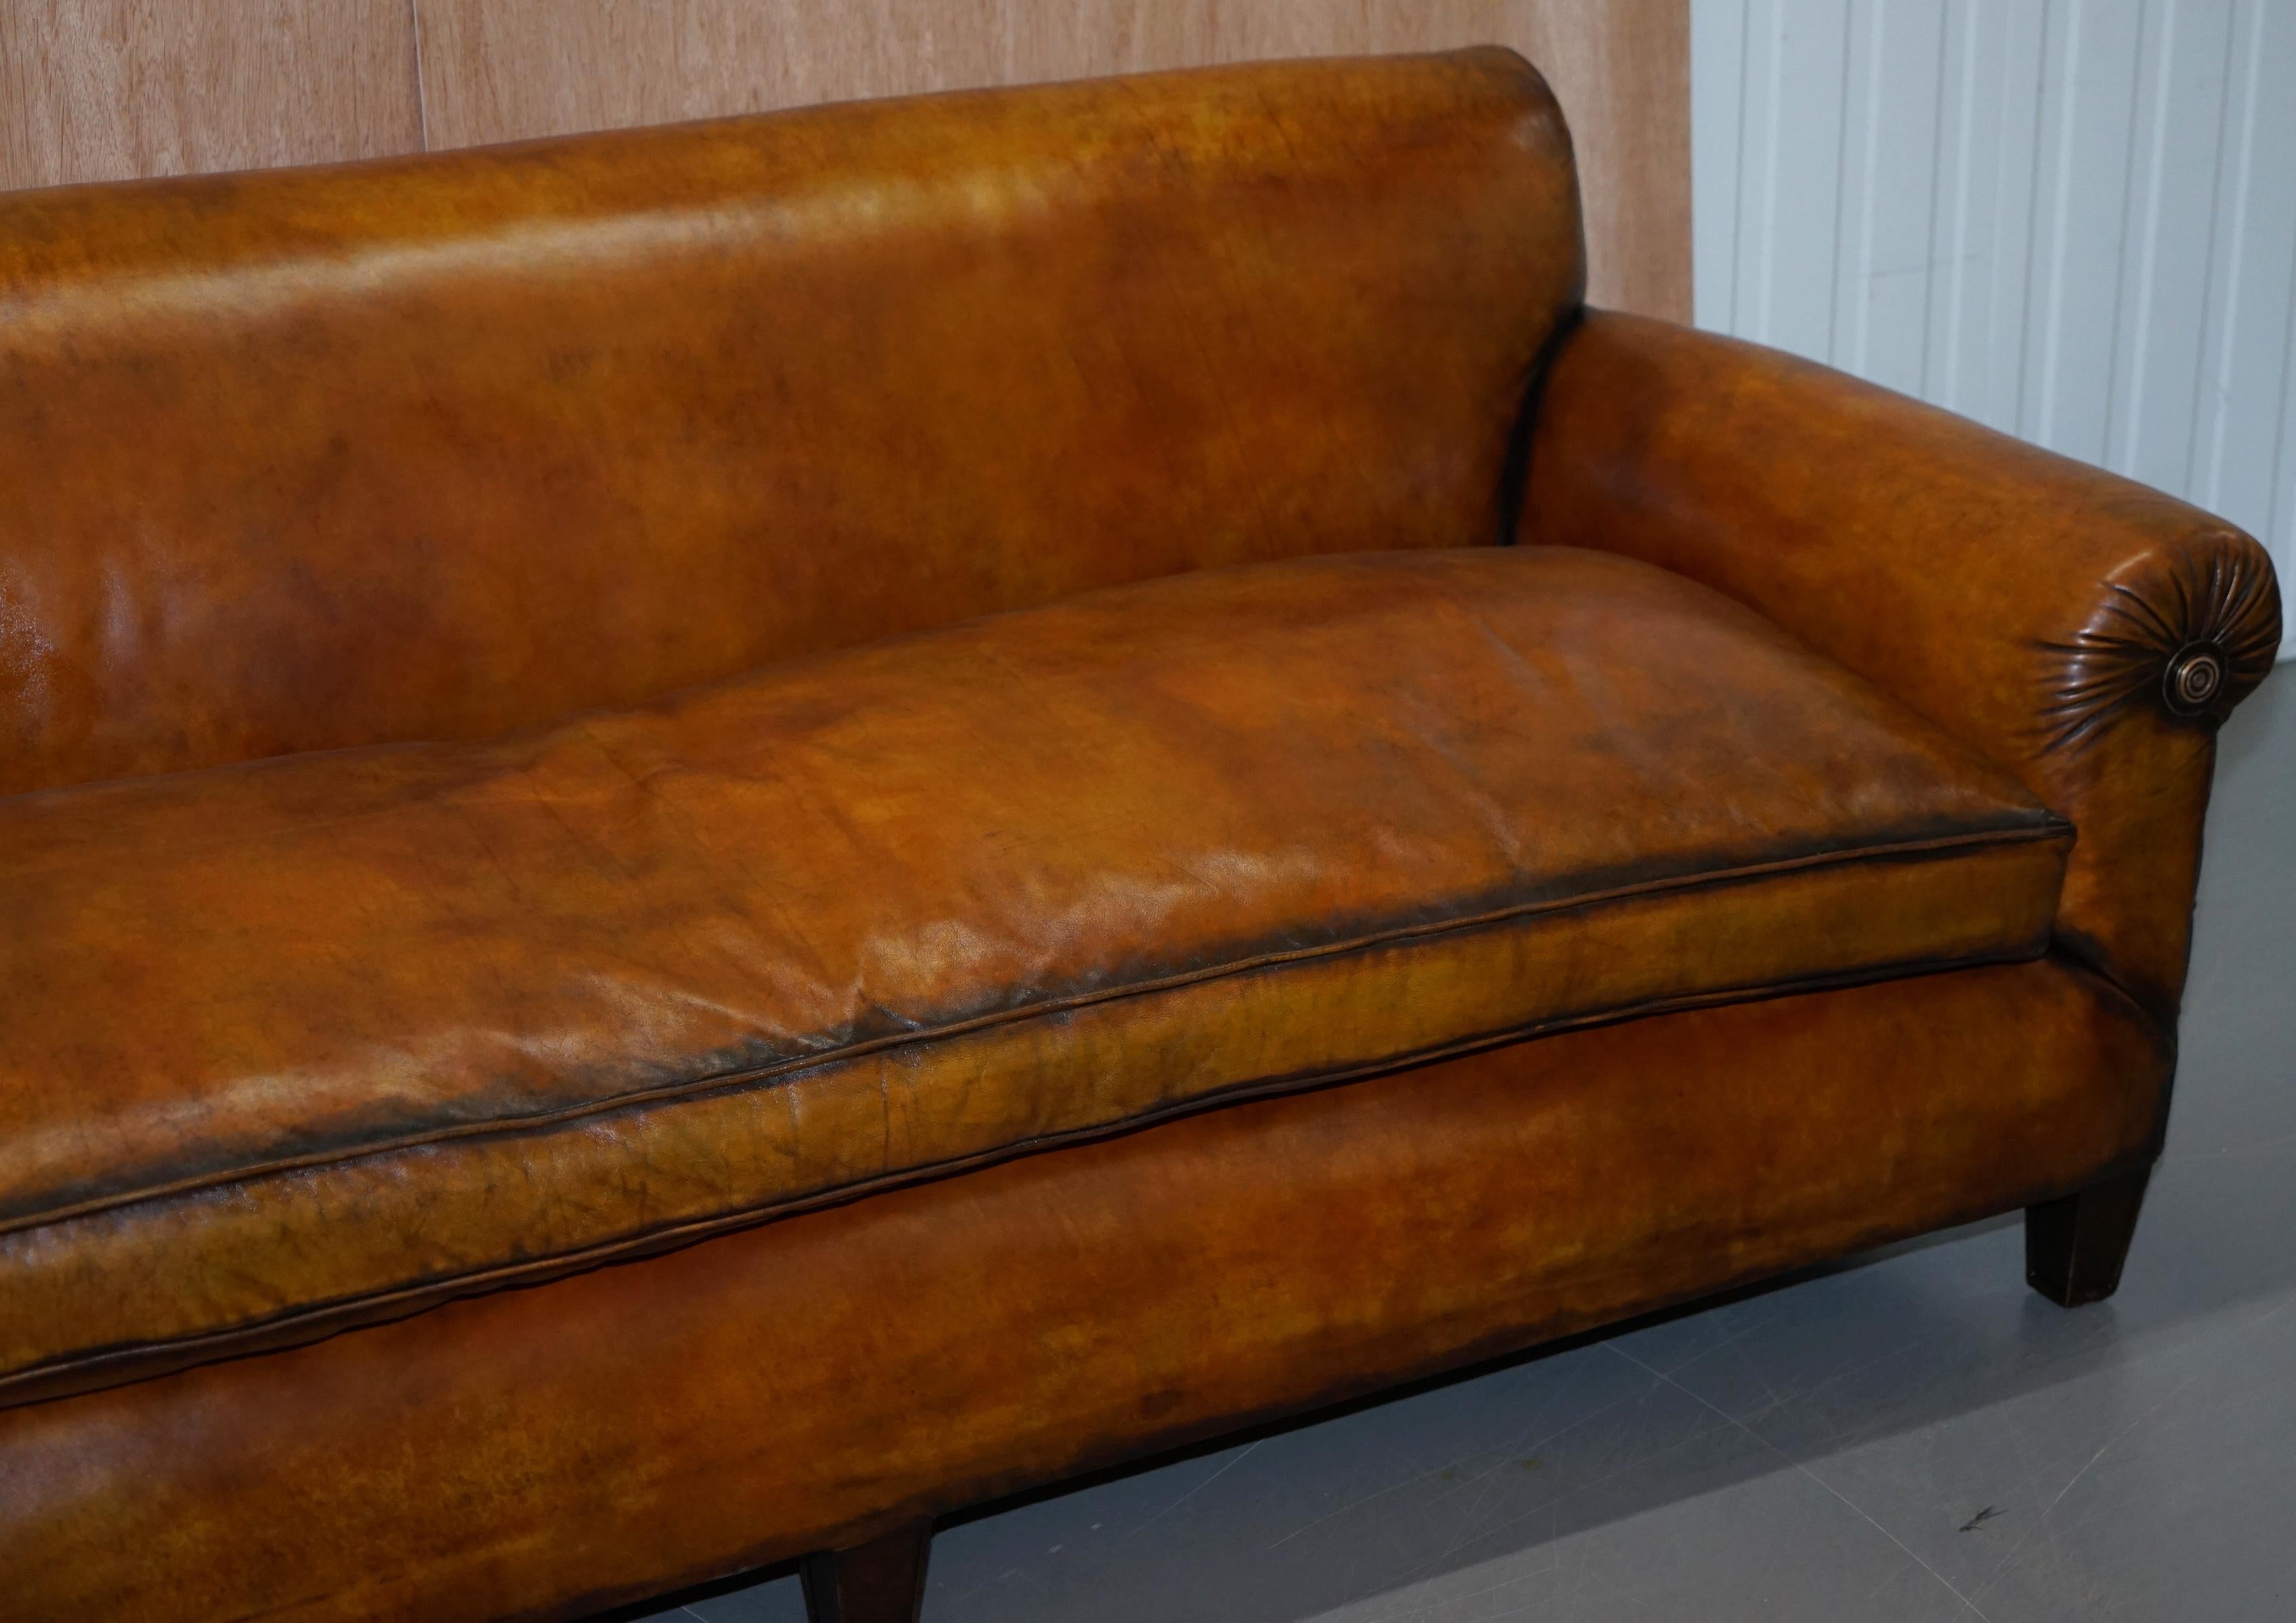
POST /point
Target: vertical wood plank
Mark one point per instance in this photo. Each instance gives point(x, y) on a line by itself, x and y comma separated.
point(1855, 206)
point(502, 69)
point(2282, 526)
point(2076, 303)
point(1962, 245)
point(1755, 240)
point(1890, 210)
point(2057, 104)
point(110, 89)
point(2253, 305)
point(2235, 153)
point(1718, 143)
point(2188, 62)
point(1622, 71)
point(2024, 44)
point(1807, 161)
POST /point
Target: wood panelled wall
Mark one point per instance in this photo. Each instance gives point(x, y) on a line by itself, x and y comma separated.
point(107, 89)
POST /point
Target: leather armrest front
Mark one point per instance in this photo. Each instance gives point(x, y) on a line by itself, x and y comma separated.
point(2084, 631)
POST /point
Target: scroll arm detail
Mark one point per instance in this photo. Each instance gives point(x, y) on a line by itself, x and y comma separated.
point(2192, 627)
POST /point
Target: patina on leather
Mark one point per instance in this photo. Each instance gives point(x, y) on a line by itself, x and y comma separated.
point(550, 1452)
point(944, 960)
point(2056, 616)
point(874, 915)
point(441, 447)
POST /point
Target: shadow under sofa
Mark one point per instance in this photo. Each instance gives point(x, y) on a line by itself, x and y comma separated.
point(720, 838)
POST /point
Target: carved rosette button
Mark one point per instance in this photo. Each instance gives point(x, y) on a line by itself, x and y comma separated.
point(2194, 678)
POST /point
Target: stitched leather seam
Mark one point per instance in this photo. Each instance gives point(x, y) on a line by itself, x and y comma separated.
point(2051, 827)
point(375, 1307)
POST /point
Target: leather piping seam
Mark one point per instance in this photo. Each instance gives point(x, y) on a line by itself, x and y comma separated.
point(354, 1312)
point(2051, 828)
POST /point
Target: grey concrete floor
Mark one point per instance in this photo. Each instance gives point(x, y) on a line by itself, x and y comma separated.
point(1909, 1436)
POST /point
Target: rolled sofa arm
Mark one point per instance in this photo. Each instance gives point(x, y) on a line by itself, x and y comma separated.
point(2087, 633)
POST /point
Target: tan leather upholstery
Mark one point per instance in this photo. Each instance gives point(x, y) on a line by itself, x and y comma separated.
point(866, 1060)
point(618, 984)
point(2042, 610)
point(547, 1453)
point(445, 446)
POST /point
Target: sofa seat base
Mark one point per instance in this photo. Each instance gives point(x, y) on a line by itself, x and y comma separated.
point(300, 1044)
point(814, 1382)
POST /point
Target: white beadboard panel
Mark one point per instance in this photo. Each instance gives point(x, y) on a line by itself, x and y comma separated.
point(2074, 220)
point(2181, 112)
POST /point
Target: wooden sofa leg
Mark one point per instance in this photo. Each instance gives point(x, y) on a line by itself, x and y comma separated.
point(2074, 1247)
point(883, 1581)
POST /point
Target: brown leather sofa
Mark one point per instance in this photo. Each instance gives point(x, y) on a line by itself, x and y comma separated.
point(716, 838)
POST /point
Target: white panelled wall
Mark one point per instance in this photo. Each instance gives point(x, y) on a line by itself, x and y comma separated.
point(2072, 219)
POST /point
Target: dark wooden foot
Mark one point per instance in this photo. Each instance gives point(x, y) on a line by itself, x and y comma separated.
point(2074, 1247)
point(880, 1582)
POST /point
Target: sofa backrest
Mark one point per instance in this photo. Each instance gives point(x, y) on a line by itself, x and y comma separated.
point(440, 446)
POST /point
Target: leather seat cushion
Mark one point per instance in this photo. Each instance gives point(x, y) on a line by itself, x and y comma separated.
point(305, 1042)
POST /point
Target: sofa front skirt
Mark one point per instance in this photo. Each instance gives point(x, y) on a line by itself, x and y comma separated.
point(550, 1451)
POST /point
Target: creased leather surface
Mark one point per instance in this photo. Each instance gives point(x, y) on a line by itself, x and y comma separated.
point(547, 1453)
point(915, 904)
point(442, 446)
point(2030, 604)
